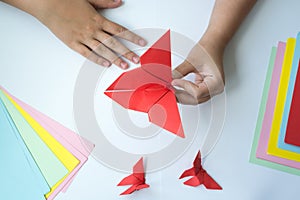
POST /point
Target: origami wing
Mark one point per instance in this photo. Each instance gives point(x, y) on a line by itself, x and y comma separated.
point(148, 88)
point(194, 181)
point(136, 179)
point(210, 183)
point(157, 60)
point(165, 114)
point(130, 180)
point(195, 169)
point(134, 188)
point(200, 176)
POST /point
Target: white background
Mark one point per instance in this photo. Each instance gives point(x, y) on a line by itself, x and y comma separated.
point(39, 69)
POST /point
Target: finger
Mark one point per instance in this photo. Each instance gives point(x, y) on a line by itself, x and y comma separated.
point(89, 54)
point(117, 46)
point(204, 99)
point(214, 83)
point(106, 3)
point(182, 70)
point(99, 60)
point(106, 53)
point(197, 91)
point(122, 32)
point(185, 98)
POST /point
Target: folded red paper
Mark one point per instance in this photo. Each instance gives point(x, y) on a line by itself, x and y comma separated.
point(148, 88)
point(292, 135)
point(200, 176)
point(136, 179)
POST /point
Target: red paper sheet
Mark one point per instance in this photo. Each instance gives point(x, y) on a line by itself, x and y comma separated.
point(292, 135)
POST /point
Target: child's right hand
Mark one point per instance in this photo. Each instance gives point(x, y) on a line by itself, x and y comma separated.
point(209, 76)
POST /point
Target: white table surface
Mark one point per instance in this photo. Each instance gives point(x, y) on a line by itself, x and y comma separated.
point(39, 69)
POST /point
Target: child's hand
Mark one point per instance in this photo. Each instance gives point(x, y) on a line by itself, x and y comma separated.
point(206, 58)
point(82, 28)
point(209, 77)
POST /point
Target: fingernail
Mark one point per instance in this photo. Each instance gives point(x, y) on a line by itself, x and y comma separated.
point(105, 63)
point(142, 42)
point(124, 65)
point(116, 1)
point(135, 59)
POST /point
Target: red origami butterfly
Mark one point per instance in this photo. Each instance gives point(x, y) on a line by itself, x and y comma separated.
point(200, 176)
point(136, 179)
point(148, 88)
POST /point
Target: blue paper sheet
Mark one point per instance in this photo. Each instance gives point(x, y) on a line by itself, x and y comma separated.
point(51, 167)
point(21, 179)
point(281, 143)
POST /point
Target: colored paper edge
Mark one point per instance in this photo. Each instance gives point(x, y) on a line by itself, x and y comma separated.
point(279, 106)
point(82, 153)
point(294, 73)
point(43, 183)
point(269, 112)
point(77, 142)
point(253, 159)
point(65, 143)
point(271, 100)
point(35, 175)
point(52, 169)
point(65, 157)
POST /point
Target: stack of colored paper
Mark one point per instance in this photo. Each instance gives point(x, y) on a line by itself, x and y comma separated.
point(277, 136)
point(39, 157)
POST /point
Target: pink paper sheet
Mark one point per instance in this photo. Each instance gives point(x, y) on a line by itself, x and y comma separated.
point(78, 146)
point(268, 117)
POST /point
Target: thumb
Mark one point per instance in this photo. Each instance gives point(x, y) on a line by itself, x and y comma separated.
point(197, 91)
point(182, 70)
point(187, 86)
point(106, 3)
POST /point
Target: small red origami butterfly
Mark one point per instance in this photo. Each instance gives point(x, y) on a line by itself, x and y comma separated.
point(136, 179)
point(200, 176)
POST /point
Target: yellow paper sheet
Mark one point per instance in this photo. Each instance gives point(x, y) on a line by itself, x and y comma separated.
point(279, 106)
point(68, 159)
